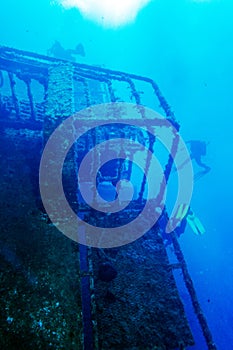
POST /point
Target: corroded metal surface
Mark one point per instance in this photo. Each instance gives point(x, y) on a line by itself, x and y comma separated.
point(134, 300)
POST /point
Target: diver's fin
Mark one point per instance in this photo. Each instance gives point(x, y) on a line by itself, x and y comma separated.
point(195, 224)
point(178, 217)
point(182, 211)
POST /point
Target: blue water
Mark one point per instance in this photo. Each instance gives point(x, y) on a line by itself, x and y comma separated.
point(186, 47)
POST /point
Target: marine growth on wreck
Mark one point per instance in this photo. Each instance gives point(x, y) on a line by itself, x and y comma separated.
point(55, 292)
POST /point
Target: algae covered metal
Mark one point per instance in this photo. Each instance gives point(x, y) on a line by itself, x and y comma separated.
point(56, 293)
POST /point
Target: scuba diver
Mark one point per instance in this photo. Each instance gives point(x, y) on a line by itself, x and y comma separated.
point(58, 51)
point(184, 214)
point(197, 151)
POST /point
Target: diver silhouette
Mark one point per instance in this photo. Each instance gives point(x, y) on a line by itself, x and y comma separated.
point(58, 51)
point(197, 151)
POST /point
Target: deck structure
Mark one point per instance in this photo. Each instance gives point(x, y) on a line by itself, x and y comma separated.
point(58, 294)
